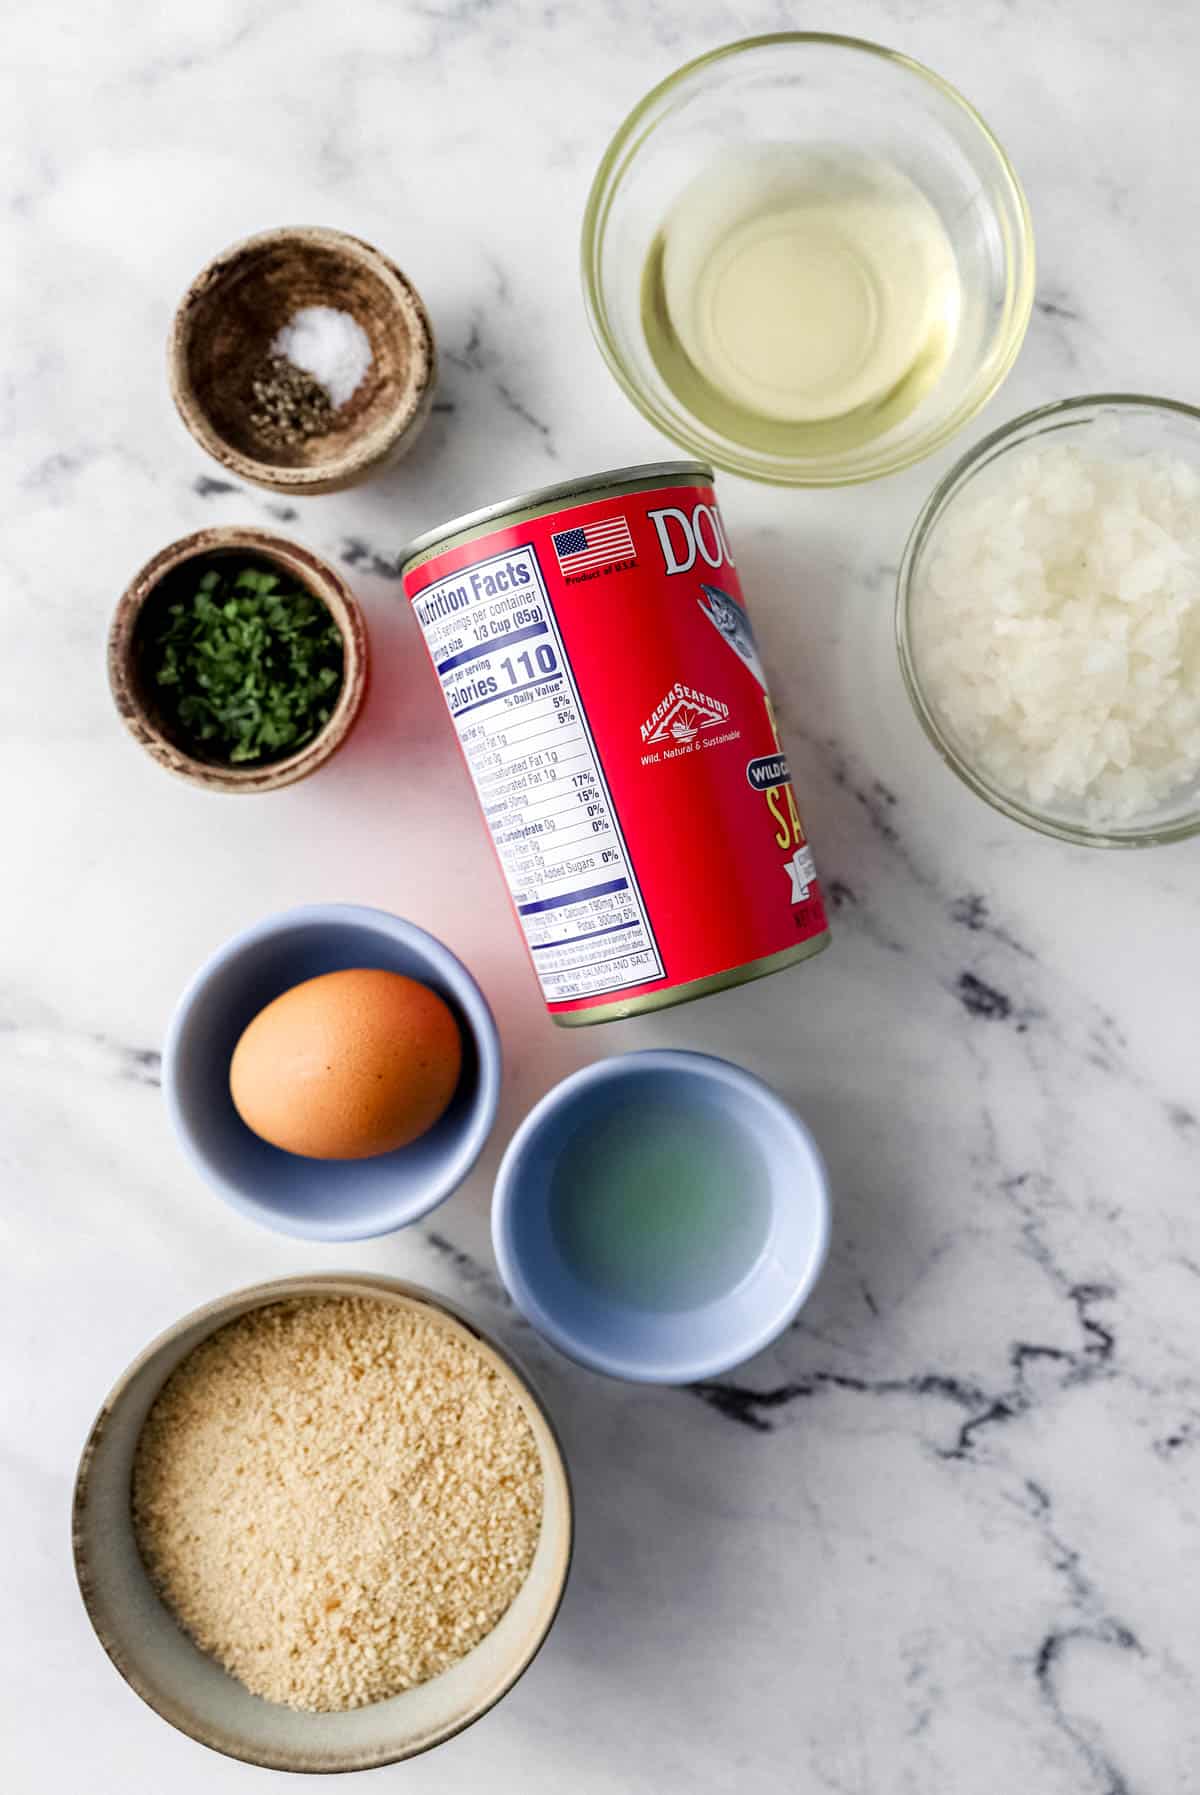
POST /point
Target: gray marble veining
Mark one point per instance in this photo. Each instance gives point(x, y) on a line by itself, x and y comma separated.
point(945, 1534)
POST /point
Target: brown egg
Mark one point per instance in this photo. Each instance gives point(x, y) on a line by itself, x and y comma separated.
point(347, 1065)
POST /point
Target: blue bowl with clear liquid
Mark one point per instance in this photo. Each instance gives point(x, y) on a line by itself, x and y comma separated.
point(661, 1216)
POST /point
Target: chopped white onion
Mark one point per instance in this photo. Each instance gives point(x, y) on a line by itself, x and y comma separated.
point(1056, 627)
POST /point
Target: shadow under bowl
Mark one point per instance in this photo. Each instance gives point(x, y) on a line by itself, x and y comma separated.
point(773, 1234)
point(320, 1199)
point(189, 1689)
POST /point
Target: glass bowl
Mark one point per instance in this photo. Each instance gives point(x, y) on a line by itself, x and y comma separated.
point(1131, 422)
point(813, 89)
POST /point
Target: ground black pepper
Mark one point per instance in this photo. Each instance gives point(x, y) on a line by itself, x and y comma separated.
point(290, 406)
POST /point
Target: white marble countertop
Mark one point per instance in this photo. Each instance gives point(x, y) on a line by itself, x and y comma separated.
point(945, 1536)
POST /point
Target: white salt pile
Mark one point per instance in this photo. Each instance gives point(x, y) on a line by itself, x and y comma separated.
point(328, 344)
point(1056, 627)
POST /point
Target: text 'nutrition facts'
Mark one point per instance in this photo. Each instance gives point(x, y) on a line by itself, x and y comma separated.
point(496, 646)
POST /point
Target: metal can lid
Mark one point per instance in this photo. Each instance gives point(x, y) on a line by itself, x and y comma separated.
point(546, 498)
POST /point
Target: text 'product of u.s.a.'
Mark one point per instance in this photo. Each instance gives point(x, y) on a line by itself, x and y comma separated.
point(596, 656)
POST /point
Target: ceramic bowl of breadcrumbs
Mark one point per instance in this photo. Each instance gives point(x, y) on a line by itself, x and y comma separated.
point(322, 1524)
point(302, 360)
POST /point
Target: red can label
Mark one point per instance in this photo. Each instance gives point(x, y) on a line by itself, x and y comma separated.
point(603, 677)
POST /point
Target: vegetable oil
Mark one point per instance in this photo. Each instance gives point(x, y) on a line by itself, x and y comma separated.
point(801, 299)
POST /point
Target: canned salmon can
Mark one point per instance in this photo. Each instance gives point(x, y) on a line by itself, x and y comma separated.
point(595, 653)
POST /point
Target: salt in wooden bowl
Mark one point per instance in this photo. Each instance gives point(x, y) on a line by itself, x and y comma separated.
point(221, 339)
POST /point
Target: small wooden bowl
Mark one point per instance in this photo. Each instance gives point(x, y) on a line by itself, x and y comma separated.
point(223, 331)
point(138, 705)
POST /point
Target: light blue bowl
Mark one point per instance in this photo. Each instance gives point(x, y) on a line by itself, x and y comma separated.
point(322, 1199)
point(669, 1344)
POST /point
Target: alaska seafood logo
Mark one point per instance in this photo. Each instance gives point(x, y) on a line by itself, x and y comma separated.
point(682, 714)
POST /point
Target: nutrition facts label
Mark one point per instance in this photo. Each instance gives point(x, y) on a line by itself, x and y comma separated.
point(496, 646)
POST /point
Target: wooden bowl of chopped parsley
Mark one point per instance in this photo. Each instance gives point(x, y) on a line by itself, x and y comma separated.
point(238, 660)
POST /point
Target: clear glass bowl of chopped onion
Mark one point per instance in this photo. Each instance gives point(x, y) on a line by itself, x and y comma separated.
point(1048, 620)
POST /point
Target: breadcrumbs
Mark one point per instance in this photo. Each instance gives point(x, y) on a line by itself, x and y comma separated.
point(337, 1497)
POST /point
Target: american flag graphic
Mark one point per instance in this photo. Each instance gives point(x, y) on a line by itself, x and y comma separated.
point(593, 546)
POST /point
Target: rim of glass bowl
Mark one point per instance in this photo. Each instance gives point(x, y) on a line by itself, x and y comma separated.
point(627, 141)
point(1060, 414)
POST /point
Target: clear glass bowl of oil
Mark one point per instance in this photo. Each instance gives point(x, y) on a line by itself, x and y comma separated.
point(807, 259)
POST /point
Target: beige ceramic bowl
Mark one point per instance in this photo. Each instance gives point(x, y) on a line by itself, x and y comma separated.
point(223, 331)
point(135, 699)
point(189, 1689)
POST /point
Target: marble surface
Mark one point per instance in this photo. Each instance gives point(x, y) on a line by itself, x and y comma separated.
point(945, 1536)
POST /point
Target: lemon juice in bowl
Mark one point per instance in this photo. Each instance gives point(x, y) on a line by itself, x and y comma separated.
point(661, 1204)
